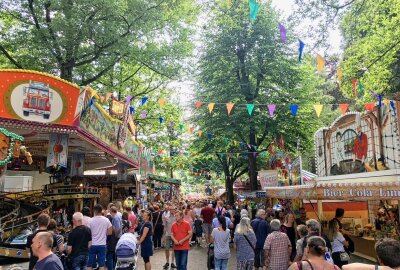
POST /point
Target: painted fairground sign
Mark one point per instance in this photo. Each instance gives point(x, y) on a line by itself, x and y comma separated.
point(360, 142)
point(39, 97)
point(115, 132)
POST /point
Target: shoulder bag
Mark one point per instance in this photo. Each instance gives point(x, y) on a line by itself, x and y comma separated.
point(248, 241)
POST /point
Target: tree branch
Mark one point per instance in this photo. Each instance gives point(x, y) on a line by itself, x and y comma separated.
point(10, 58)
point(101, 73)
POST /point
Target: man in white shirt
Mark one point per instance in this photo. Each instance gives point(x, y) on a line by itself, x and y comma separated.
point(100, 227)
point(86, 216)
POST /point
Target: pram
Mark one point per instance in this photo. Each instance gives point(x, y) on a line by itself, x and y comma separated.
point(210, 257)
point(127, 256)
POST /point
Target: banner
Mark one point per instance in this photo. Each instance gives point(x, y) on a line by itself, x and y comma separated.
point(268, 178)
point(57, 153)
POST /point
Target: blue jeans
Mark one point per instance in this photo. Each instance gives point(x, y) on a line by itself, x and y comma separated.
point(80, 262)
point(110, 260)
point(221, 264)
point(97, 253)
point(181, 257)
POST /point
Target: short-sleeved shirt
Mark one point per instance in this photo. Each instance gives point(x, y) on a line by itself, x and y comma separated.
point(33, 259)
point(208, 214)
point(79, 239)
point(117, 224)
point(168, 219)
point(180, 231)
point(277, 248)
point(215, 222)
point(132, 218)
point(98, 227)
point(50, 262)
point(221, 243)
point(86, 220)
point(337, 244)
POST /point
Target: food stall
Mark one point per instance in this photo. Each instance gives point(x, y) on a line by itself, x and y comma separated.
point(357, 161)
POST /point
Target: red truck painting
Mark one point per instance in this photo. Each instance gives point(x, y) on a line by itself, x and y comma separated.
point(37, 98)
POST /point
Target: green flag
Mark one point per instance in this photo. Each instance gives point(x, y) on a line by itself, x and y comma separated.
point(250, 108)
point(180, 127)
point(254, 7)
point(361, 89)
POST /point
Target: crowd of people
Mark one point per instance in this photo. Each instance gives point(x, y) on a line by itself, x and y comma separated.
point(268, 240)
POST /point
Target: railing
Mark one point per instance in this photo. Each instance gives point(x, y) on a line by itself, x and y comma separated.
point(70, 190)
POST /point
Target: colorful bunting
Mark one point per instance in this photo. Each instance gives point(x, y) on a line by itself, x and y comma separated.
point(131, 109)
point(380, 100)
point(354, 82)
point(198, 104)
point(209, 135)
point(211, 107)
point(161, 119)
point(386, 101)
point(301, 47)
point(369, 106)
point(199, 133)
point(229, 107)
point(271, 109)
point(180, 127)
point(128, 99)
point(162, 102)
point(93, 93)
point(282, 31)
point(361, 89)
point(320, 63)
point(318, 109)
point(171, 123)
point(108, 96)
point(250, 108)
point(281, 142)
point(144, 114)
point(102, 99)
point(191, 130)
point(393, 106)
point(339, 74)
point(293, 108)
point(144, 99)
point(343, 108)
point(254, 8)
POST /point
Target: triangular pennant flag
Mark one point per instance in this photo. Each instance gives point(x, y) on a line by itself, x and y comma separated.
point(386, 101)
point(254, 154)
point(369, 106)
point(361, 89)
point(102, 99)
point(211, 107)
point(282, 31)
point(198, 104)
point(229, 107)
point(271, 109)
point(144, 114)
point(108, 95)
point(131, 109)
point(161, 119)
point(250, 108)
point(144, 99)
point(180, 127)
point(343, 108)
point(281, 142)
point(191, 130)
point(199, 132)
point(380, 100)
point(128, 99)
point(93, 93)
point(393, 106)
point(320, 63)
point(161, 101)
point(318, 109)
point(254, 8)
point(301, 47)
point(339, 74)
point(354, 82)
point(171, 123)
point(225, 141)
point(209, 135)
point(91, 102)
point(293, 108)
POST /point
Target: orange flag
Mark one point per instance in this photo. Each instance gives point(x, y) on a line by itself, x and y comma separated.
point(320, 63)
point(211, 107)
point(102, 99)
point(229, 107)
point(370, 106)
point(198, 104)
point(161, 101)
point(343, 108)
point(108, 95)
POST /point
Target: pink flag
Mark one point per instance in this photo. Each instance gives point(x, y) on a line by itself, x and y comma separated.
point(271, 109)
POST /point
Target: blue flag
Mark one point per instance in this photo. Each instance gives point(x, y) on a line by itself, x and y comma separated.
point(293, 108)
point(161, 119)
point(301, 47)
point(254, 8)
point(144, 99)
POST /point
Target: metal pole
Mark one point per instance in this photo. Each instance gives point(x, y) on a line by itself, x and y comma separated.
point(300, 161)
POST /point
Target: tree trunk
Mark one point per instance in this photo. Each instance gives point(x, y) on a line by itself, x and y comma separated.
point(66, 71)
point(253, 159)
point(230, 198)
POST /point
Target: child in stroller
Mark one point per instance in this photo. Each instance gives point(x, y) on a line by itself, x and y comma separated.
point(127, 252)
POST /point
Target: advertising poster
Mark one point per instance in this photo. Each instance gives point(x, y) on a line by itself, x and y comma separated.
point(57, 153)
point(268, 178)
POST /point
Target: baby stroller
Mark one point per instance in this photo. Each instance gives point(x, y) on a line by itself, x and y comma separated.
point(127, 252)
point(210, 257)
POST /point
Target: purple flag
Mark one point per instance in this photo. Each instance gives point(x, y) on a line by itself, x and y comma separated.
point(144, 114)
point(128, 99)
point(271, 109)
point(282, 30)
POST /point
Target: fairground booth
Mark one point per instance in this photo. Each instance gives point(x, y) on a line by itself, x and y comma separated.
point(358, 170)
point(52, 131)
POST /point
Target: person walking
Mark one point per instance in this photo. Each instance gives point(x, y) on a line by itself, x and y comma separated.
point(79, 241)
point(157, 225)
point(261, 229)
point(168, 218)
point(198, 229)
point(181, 232)
point(339, 243)
point(132, 219)
point(207, 215)
point(245, 242)
point(302, 232)
point(220, 238)
point(86, 216)
point(42, 244)
point(145, 241)
point(289, 227)
point(277, 248)
point(315, 253)
point(100, 227)
point(314, 229)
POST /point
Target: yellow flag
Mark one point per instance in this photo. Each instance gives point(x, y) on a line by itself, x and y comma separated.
point(211, 107)
point(200, 132)
point(386, 101)
point(318, 109)
point(320, 63)
point(161, 101)
point(229, 107)
point(339, 74)
point(93, 93)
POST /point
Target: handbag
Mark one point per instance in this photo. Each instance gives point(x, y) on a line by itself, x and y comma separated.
point(248, 241)
point(344, 257)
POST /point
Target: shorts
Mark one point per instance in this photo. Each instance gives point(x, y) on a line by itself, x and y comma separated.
point(146, 259)
point(207, 228)
point(99, 252)
point(259, 257)
point(168, 242)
